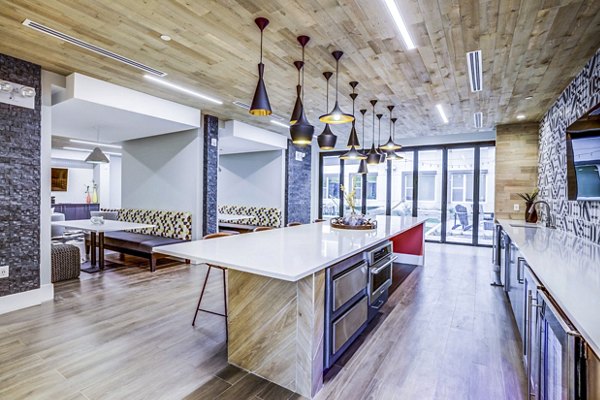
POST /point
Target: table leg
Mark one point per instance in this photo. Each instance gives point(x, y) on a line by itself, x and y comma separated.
point(93, 249)
point(101, 249)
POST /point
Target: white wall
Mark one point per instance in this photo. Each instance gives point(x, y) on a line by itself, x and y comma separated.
point(164, 173)
point(114, 199)
point(252, 179)
point(78, 179)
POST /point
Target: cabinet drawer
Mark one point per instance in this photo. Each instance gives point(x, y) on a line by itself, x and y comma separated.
point(349, 284)
point(346, 325)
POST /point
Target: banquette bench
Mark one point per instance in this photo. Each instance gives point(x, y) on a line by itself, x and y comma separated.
point(258, 216)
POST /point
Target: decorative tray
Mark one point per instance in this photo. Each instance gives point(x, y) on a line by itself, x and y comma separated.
point(364, 225)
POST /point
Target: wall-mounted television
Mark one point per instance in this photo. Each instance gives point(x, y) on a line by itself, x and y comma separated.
point(60, 177)
point(583, 157)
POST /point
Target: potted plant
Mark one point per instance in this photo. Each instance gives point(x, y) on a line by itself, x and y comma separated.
point(529, 200)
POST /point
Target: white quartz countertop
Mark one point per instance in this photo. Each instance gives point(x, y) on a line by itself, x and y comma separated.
point(290, 253)
point(569, 269)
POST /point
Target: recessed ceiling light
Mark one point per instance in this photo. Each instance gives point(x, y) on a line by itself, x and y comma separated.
point(442, 113)
point(112, 146)
point(274, 122)
point(166, 38)
point(520, 117)
point(182, 89)
point(528, 97)
point(391, 5)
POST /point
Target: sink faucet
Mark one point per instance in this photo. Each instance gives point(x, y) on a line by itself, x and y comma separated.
point(549, 218)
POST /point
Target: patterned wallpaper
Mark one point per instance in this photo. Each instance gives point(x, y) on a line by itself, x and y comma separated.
point(20, 131)
point(579, 217)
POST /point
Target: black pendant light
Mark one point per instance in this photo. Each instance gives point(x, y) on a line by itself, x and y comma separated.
point(390, 145)
point(392, 155)
point(327, 139)
point(302, 131)
point(353, 137)
point(336, 116)
point(373, 155)
point(381, 152)
point(298, 106)
point(353, 153)
point(260, 103)
point(362, 168)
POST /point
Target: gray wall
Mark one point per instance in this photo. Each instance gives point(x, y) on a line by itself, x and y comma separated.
point(579, 217)
point(252, 179)
point(164, 173)
point(20, 185)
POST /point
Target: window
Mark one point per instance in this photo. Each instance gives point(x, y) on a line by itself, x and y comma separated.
point(461, 187)
point(483, 186)
point(407, 186)
point(371, 186)
point(427, 185)
point(332, 186)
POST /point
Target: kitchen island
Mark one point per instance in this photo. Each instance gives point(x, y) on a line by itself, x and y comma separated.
point(276, 290)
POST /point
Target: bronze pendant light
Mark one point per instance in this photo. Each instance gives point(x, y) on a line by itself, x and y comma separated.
point(353, 138)
point(390, 145)
point(327, 139)
point(298, 105)
point(381, 153)
point(392, 155)
point(353, 153)
point(336, 116)
point(302, 131)
point(373, 155)
point(260, 103)
point(362, 168)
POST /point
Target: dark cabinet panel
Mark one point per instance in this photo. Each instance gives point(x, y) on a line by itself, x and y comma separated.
point(76, 211)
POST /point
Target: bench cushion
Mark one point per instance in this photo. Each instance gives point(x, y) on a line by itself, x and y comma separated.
point(136, 241)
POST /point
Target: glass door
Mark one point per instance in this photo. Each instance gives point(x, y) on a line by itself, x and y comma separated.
point(429, 200)
point(403, 187)
point(353, 181)
point(376, 189)
point(330, 187)
point(487, 173)
point(460, 192)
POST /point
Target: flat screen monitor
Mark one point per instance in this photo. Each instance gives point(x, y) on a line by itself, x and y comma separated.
point(583, 157)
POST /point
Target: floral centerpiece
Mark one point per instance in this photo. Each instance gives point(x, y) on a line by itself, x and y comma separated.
point(354, 220)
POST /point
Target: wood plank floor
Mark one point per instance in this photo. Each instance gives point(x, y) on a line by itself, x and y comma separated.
point(127, 334)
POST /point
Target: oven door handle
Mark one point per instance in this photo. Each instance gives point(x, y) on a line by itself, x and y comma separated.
point(375, 271)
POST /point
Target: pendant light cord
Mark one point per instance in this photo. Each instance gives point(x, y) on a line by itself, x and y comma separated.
point(363, 129)
point(302, 77)
point(261, 45)
point(337, 75)
point(373, 137)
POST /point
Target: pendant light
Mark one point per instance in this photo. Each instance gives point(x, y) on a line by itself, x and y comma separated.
point(382, 154)
point(97, 156)
point(302, 131)
point(373, 155)
point(392, 155)
point(336, 116)
point(353, 138)
point(327, 139)
point(362, 168)
point(260, 103)
point(390, 145)
point(298, 106)
point(353, 153)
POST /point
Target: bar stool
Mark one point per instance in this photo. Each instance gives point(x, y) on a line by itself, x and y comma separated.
point(211, 266)
point(294, 224)
point(262, 228)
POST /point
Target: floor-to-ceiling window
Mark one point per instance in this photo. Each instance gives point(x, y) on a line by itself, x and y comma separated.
point(452, 186)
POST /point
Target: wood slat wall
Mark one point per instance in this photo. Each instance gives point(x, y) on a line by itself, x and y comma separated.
point(530, 47)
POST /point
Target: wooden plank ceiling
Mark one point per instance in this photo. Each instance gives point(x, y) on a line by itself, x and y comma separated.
point(530, 48)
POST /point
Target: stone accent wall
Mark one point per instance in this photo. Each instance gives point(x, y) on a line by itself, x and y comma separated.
point(211, 166)
point(516, 167)
point(579, 217)
point(297, 185)
point(20, 131)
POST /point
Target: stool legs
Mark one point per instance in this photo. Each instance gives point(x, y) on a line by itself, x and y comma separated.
point(198, 308)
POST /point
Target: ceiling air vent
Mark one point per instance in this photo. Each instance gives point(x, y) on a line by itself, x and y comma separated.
point(242, 105)
point(478, 120)
point(99, 50)
point(475, 70)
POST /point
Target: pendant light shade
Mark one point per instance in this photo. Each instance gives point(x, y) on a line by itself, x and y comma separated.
point(353, 137)
point(327, 139)
point(97, 157)
point(260, 103)
point(298, 106)
point(392, 155)
point(336, 115)
point(390, 145)
point(363, 168)
point(353, 154)
point(373, 155)
point(302, 131)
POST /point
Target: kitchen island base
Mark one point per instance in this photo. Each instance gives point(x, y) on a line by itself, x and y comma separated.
point(276, 329)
